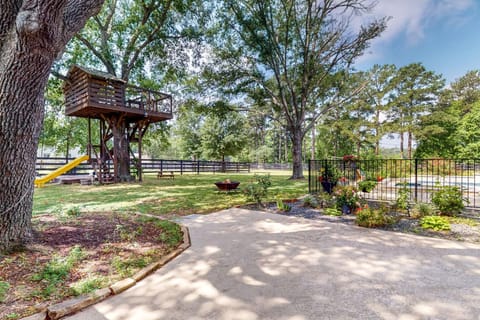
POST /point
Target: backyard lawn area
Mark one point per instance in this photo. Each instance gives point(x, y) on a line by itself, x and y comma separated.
point(186, 194)
point(90, 236)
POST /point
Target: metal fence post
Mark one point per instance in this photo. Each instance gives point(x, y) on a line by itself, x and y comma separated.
point(309, 176)
point(416, 180)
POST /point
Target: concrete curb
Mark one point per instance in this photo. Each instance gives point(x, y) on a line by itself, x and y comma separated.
point(74, 305)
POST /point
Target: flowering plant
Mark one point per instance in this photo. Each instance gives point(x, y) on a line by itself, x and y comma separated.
point(349, 157)
point(347, 196)
point(329, 173)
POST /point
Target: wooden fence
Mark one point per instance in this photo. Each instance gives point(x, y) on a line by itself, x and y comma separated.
point(46, 165)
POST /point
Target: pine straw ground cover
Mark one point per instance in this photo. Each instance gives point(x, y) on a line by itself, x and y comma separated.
point(77, 253)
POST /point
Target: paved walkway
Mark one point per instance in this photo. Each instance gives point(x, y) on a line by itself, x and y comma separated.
point(251, 265)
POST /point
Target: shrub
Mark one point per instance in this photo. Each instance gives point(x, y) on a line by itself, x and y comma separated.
point(436, 223)
point(421, 210)
point(372, 218)
point(310, 201)
point(347, 196)
point(332, 212)
point(402, 197)
point(449, 200)
point(259, 190)
point(367, 185)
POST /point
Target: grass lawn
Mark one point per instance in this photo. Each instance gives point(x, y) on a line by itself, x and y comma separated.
point(186, 194)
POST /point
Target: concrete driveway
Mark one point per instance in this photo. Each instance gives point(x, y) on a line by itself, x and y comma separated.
point(252, 265)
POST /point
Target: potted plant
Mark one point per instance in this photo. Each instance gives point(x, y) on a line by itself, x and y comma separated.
point(329, 176)
point(367, 185)
point(347, 199)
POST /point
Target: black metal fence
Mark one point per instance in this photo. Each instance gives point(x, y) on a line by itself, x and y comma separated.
point(421, 177)
point(46, 165)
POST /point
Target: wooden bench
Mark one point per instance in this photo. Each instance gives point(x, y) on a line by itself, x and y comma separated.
point(163, 175)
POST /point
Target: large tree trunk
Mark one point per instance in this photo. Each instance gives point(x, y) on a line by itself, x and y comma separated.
point(121, 154)
point(32, 34)
point(297, 146)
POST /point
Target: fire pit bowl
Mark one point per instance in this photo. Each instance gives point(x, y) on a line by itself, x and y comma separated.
point(227, 185)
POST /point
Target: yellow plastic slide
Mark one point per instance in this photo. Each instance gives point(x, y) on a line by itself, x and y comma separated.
point(39, 182)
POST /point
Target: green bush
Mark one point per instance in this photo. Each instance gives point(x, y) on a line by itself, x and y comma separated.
point(436, 223)
point(367, 185)
point(310, 201)
point(259, 190)
point(403, 196)
point(421, 210)
point(372, 218)
point(449, 200)
point(332, 212)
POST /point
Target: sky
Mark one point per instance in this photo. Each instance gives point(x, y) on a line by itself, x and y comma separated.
point(444, 35)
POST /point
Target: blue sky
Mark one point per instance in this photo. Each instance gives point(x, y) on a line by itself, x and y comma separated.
point(444, 35)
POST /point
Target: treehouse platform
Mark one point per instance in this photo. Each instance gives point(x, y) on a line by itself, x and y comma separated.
point(123, 113)
point(98, 95)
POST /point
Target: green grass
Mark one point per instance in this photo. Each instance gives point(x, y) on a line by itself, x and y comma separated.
point(56, 271)
point(186, 194)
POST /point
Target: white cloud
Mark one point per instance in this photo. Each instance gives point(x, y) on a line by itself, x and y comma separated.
point(410, 18)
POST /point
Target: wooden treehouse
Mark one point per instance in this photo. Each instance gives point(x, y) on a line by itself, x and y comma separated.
point(124, 113)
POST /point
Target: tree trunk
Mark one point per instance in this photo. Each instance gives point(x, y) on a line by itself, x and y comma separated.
point(402, 153)
point(21, 115)
point(297, 144)
point(121, 157)
point(312, 156)
point(410, 138)
point(31, 37)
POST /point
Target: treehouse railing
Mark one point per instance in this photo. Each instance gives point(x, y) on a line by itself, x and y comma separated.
point(148, 100)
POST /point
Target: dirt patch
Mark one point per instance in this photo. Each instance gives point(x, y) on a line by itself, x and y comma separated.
point(69, 256)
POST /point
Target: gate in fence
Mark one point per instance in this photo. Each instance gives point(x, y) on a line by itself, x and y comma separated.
point(421, 177)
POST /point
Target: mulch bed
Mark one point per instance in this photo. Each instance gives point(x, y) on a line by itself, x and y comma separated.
point(102, 237)
point(458, 232)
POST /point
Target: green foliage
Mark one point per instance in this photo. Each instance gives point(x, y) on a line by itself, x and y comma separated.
point(310, 201)
point(127, 267)
point(12, 316)
point(171, 233)
point(373, 218)
point(367, 185)
point(435, 223)
point(73, 212)
point(88, 285)
point(449, 200)
point(347, 195)
point(403, 195)
point(421, 209)
point(223, 132)
point(259, 190)
point(332, 212)
point(4, 286)
point(329, 173)
point(283, 206)
point(56, 270)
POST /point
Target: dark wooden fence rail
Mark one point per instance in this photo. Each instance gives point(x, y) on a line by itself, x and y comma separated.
point(189, 166)
point(46, 165)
